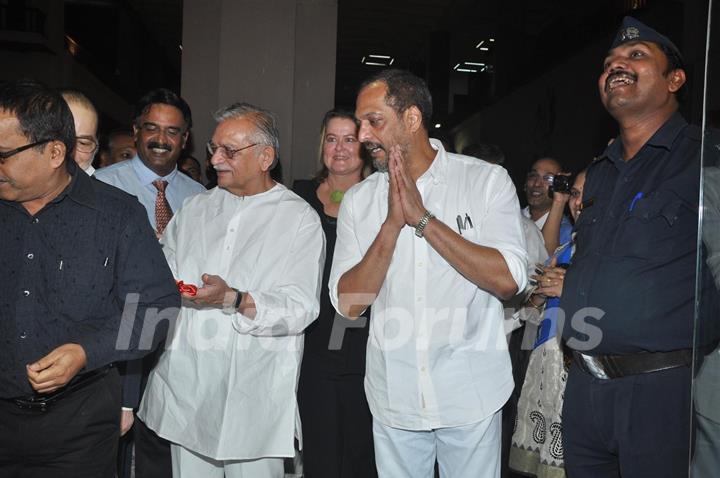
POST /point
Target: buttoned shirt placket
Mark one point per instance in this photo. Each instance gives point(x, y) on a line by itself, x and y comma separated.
point(427, 396)
point(231, 237)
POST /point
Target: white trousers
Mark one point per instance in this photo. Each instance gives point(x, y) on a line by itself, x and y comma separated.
point(187, 464)
point(471, 451)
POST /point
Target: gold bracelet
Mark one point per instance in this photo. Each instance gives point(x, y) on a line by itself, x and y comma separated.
point(537, 307)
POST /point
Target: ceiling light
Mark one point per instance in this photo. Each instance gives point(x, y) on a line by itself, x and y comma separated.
point(438, 125)
point(472, 67)
point(480, 44)
point(377, 60)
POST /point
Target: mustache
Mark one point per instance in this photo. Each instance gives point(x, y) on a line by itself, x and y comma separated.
point(369, 145)
point(617, 73)
point(158, 145)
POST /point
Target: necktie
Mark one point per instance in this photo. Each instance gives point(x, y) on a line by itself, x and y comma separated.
point(163, 213)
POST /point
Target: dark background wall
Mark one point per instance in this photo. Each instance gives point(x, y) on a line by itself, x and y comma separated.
point(538, 96)
point(559, 113)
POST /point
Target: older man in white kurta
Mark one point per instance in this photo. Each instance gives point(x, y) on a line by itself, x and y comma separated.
point(224, 392)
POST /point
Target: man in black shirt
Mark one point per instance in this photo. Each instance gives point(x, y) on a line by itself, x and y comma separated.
point(629, 293)
point(80, 268)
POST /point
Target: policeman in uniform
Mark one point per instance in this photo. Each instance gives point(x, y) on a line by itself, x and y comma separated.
point(629, 293)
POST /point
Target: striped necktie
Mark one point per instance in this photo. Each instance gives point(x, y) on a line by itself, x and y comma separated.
point(163, 213)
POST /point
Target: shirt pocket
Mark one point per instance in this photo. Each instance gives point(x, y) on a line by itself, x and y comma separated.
point(587, 230)
point(81, 285)
point(657, 226)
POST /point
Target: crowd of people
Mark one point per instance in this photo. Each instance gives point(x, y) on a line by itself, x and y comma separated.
point(397, 315)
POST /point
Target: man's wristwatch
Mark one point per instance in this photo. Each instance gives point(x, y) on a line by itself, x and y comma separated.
point(238, 298)
point(422, 224)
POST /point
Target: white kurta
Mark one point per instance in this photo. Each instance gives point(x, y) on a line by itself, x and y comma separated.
point(225, 387)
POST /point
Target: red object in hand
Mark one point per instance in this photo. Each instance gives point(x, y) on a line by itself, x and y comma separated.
point(184, 288)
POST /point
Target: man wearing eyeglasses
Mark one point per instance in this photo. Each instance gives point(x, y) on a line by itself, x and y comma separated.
point(224, 390)
point(85, 117)
point(73, 251)
point(537, 184)
point(161, 128)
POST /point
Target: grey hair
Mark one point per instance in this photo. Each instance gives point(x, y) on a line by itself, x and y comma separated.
point(265, 122)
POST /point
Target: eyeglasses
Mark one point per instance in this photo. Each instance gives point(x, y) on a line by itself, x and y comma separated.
point(225, 152)
point(85, 144)
point(533, 176)
point(4, 156)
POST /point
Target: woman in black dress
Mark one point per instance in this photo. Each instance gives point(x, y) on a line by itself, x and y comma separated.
point(336, 421)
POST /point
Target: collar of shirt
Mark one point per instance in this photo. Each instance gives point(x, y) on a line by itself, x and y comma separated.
point(146, 175)
point(540, 222)
point(232, 202)
point(664, 137)
point(80, 189)
point(438, 168)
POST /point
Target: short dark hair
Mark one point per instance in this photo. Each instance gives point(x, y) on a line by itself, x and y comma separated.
point(166, 97)
point(114, 134)
point(554, 159)
point(41, 111)
point(188, 157)
point(323, 172)
point(485, 151)
point(404, 89)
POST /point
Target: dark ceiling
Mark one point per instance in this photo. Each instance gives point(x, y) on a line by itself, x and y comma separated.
point(428, 37)
point(164, 19)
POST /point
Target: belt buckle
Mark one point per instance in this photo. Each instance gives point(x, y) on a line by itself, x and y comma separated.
point(594, 366)
point(31, 404)
point(42, 403)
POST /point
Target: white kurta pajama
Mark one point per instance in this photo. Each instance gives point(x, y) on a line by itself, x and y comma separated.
point(225, 386)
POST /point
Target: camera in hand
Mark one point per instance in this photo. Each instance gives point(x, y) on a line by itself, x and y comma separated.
point(559, 183)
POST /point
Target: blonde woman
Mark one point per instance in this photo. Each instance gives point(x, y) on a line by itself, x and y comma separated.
point(336, 421)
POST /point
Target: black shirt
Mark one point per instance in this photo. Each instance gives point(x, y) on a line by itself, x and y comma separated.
point(319, 358)
point(65, 274)
point(636, 247)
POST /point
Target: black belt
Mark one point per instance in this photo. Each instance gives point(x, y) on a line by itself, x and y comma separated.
point(617, 366)
point(42, 402)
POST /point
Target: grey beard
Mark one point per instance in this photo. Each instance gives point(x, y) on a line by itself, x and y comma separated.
point(380, 165)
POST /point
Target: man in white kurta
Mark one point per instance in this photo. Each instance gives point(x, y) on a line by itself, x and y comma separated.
point(434, 242)
point(224, 392)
